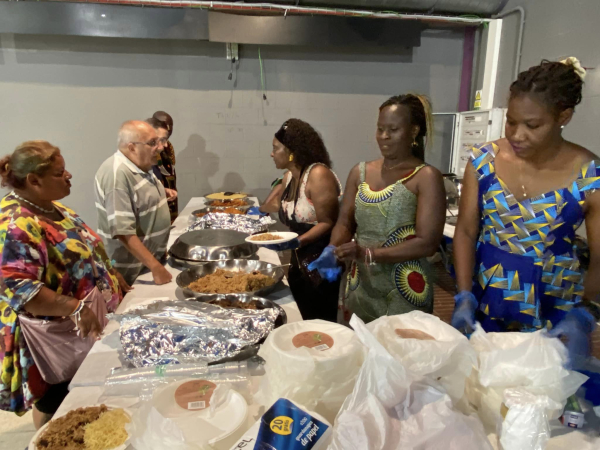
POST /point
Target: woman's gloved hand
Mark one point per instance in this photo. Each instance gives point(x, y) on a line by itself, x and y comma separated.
point(254, 211)
point(327, 265)
point(577, 327)
point(463, 318)
point(289, 245)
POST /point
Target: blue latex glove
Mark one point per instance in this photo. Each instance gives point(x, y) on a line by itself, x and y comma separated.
point(463, 318)
point(254, 211)
point(289, 245)
point(577, 327)
point(327, 265)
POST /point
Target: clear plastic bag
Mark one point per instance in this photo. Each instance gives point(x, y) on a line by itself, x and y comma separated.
point(394, 408)
point(526, 424)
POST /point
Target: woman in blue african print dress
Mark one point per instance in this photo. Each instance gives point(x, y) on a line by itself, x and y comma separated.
point(523, 199)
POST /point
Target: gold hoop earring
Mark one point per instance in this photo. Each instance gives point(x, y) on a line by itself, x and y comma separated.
point(414, 144)
point(291, 158)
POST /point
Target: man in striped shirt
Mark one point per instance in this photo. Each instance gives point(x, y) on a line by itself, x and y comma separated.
point(133, 216)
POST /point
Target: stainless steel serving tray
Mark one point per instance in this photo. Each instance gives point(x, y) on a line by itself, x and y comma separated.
point(212, 245)
point(242, 301)
point(235, 265)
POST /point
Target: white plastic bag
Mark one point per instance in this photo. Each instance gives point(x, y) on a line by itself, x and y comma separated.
point(320, 376)
point(427, 346)
point(149, 430)
point(526, 424)
point(393, 408)
point(532, 365)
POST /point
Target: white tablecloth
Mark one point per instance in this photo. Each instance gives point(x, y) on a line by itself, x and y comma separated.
point(103, 356)
point(87, 385)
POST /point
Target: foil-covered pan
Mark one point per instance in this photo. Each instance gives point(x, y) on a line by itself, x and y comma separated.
point(235, 265)
point(187, 331)
point(212, 245)
point(243, 301)
point(237, 222)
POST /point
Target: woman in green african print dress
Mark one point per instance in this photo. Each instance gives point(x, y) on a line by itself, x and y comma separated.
point(392, 218)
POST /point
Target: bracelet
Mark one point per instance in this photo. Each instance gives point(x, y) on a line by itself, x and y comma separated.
point(369, 257)
point(78, 309)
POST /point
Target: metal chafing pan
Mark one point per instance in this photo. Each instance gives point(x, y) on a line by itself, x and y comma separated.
point(212, 245)
point(235, 265)
point(243, 301)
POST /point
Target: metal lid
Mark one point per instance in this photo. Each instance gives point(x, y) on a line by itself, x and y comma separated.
point(212, 245)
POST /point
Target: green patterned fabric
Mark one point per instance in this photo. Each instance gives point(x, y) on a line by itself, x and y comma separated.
point(386, 218)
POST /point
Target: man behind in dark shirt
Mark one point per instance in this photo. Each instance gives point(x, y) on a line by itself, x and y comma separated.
point(165, 164)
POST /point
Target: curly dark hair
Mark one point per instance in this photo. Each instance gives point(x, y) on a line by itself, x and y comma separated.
point(304, 142)
point(557, 84)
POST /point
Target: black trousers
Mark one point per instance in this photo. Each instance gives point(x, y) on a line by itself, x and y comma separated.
point(314, 302)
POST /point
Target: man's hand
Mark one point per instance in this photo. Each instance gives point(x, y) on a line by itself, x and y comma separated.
point(161, 275)
point(171, 194)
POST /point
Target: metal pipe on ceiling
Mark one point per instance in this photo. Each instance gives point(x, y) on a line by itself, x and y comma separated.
point(521, 11)
point(271, 8)
point(479, 7)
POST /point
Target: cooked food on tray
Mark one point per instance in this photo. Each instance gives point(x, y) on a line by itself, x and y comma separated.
point(91, 428)
point(238, 305)
point(226, 195)
point(227, 282)
point(234, 202)
point(266, 237)
point(230, 210)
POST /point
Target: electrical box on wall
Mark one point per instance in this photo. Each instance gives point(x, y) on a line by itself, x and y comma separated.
point(475, 128)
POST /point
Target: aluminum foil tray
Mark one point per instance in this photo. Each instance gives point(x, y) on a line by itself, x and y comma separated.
point(184, 331)
point(238, 222)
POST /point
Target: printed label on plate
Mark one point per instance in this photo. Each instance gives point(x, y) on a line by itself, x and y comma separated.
point(195, 395)
point(313, 339)
point(414, 334)
point(282, 425)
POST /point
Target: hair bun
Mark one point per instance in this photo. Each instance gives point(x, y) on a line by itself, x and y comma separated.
point(572, 61)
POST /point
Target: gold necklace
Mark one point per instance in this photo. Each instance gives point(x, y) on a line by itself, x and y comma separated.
point(521, 179)
point(383, 166)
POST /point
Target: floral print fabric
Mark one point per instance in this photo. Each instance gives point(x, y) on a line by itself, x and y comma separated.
point(36, 252)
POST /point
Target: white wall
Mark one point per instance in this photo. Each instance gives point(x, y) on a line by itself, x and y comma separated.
point(554, 30)
point(75, 92)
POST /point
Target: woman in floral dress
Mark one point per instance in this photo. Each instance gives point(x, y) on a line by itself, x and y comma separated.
point(46, 268)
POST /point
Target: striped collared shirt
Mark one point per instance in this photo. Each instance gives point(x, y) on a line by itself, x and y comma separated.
point(130, 201)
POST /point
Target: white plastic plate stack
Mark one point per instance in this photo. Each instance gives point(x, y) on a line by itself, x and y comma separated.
point(187, 404)
point(314, 363)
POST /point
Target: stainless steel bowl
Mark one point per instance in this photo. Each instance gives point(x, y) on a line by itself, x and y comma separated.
point(235, 265)
point(243, 301)
point(212, 245)
point(183, 264)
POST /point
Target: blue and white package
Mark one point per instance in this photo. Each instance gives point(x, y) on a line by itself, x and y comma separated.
point(286, 426)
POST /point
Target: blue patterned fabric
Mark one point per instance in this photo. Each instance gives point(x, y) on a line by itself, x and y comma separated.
point(528, 273)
